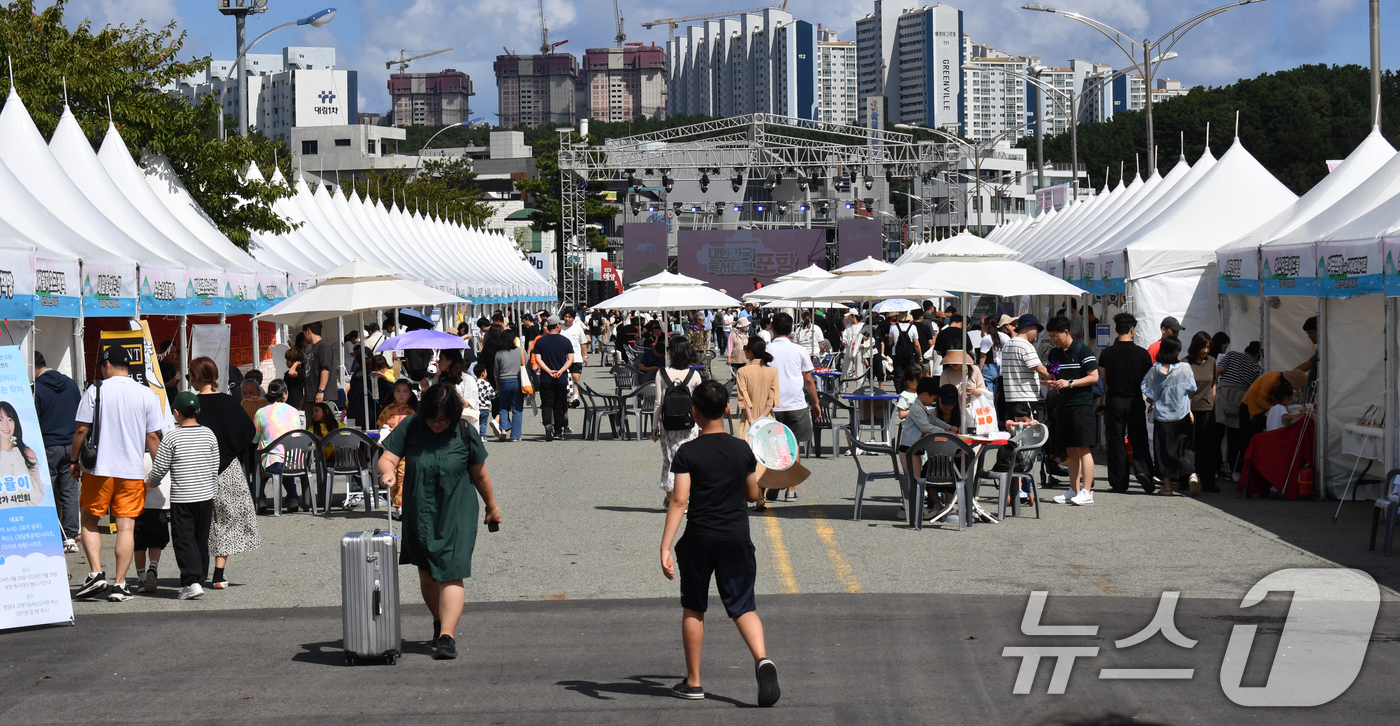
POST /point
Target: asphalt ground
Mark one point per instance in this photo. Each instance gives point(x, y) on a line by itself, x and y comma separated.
point(869, 619)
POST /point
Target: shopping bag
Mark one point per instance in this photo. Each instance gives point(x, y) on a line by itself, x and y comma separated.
point(981, 411)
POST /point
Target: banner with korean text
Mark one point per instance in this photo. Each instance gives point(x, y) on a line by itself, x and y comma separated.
point(731, 259)
point(33, 572)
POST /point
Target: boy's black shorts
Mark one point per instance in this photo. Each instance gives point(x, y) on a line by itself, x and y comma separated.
point(152, 529)
point(733, 565)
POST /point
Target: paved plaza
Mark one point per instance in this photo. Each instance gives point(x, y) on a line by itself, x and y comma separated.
point(571, 621)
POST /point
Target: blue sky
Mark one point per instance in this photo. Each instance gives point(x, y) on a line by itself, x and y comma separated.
point(1243, 42)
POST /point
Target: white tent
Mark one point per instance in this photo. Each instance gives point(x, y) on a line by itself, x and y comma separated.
point(961, 245)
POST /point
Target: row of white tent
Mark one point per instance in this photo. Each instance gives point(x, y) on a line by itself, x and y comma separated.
point(1223, 245)
point(90, 234)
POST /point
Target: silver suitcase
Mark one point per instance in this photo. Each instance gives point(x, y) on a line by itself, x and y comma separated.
point(369, 595)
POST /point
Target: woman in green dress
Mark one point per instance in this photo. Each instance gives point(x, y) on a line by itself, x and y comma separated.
point(445, 470)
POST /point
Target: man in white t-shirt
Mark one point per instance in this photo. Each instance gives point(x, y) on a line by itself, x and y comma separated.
point(577, 333)
point(131, 416)
point(794, 376)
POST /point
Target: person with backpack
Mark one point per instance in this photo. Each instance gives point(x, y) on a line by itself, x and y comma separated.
point(901, 346)
point(444, 472)
point(673, 423)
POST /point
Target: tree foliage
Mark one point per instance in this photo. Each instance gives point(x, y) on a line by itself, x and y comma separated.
point(543, 192)
point(127, 66)
point(1292, 121)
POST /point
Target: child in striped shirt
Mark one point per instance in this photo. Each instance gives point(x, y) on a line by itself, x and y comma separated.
point(190, 454)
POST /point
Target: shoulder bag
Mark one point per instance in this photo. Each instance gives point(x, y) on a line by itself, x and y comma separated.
point(87, 455)
point(527, 386)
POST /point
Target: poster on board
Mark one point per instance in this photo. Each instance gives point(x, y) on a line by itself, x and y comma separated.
point(33, 572)
point(731, 259)
point(145, 364)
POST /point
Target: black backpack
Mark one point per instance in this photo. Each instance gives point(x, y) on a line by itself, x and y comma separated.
point(676, 413)
point(903, 340)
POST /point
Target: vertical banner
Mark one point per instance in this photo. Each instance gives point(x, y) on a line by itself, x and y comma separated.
point(33, 573)
point(610, 274)
point(644, 250)
point(730, 259)
point(1289, 271)
point(859, 238)
point(211, 340)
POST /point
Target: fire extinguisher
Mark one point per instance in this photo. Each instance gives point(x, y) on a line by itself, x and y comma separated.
point(1305, 481)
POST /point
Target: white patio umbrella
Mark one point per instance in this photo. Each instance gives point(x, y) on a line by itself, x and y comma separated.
point(958, 246)
point(667, 279)
point(867, 266)
point(810, 272)
point(355, 287)
point(670, 297)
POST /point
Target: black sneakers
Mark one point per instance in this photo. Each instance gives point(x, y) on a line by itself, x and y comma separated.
point(768, 690)
point(95, 583)
point(689, 693)
point(118, 593)
point(548, 433)
point(437, 628)
point(446, 648)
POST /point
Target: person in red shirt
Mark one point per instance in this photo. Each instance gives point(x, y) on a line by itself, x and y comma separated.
point(1171, 328)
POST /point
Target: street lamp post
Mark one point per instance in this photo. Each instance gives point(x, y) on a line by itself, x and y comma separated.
point(1146, 66)
point(433, 138)
point(319, 19)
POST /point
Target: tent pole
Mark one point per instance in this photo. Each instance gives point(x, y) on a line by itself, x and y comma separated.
point(228, 378)
point(1323, 403)
point(1263, 320)
point(364, 375)
point(184, 353)
point(257, 358)
point(340, 350)
point(1392, 376)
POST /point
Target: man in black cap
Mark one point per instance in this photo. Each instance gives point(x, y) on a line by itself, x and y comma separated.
point(130, 418)
point(553, 354)
point(1021, 368)
point(1123, 366)
point(1171, 328)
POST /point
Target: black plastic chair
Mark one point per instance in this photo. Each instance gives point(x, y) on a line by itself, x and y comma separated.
point(945, 460)
point(863, 477)
point(641, 402)
point(299, 457)
point(1025, 448)
point(1390, 505)
point(597, 407)
point(731, 387)
point(831, 408)
point(353, 454)
point(625, 378)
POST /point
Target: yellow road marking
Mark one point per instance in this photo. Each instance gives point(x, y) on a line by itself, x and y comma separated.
point(781, 562)
point(843, 569)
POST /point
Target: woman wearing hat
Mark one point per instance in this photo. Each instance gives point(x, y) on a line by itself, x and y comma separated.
point(856, 343)
point(738, 341)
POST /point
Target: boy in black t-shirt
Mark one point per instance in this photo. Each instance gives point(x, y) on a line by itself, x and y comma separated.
point(715, 478)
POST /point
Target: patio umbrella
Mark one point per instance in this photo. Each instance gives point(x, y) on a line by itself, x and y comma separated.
point(422, 340)
point(411, 319)
point(959, 246)
point(669, 297)
point(669, 279)
point(896, 305)
point(810, 272)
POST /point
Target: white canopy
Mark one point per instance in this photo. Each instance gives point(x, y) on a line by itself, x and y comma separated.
point(810, 272)
point(669, 297)
point(1381, 185)
point(1004, 278)
point(963, 244)
point(354, 287)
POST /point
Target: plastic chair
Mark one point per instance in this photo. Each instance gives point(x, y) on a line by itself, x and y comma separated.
point(831, 407)
point(596, 407)
point(642, 403)
point(1025, 448)
point(299, 451)
point(942, 469)
point(731, 387)
point(1390, 504)
point(625, 378)
point(353, 454)
point(863, 477)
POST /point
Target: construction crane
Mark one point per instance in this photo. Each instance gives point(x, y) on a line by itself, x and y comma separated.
point(617, 15)
point(673, 23)
point(544, 32)
point(402, 62)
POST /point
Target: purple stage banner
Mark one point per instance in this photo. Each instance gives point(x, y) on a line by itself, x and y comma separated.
point(643, 250)
point(859, 238)
point(730, 259)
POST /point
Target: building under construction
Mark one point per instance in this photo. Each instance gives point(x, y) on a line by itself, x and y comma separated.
point(626, 82)
point(544, 88)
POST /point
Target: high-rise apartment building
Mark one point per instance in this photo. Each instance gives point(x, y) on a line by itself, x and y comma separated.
point(750, 63)
point(837, 98)
point(625, 83)
point(912, 59)
point(431, 99)
point(539, 89)
point(994, 95)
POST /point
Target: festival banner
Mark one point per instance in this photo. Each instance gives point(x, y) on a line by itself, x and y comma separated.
point(610, 274)
point(160, 291)
point(56, 291)
point(1289, 271)
point(730, 259)
point(240, 293)
point(206, 292)
point(17, 284)
point(1347, 269)
point(644, 250)
point(1111, 269)
point(1391, 249)
point(859, 238)
point(109, 291)
point(271, 289)
point(33, 572)
point(1238, 271)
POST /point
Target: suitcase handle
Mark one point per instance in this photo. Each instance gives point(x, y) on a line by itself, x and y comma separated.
point(376, 604)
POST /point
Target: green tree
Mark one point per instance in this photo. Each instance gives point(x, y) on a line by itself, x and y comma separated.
point(1292, 121)
point(126, 66)
point(543, 195)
